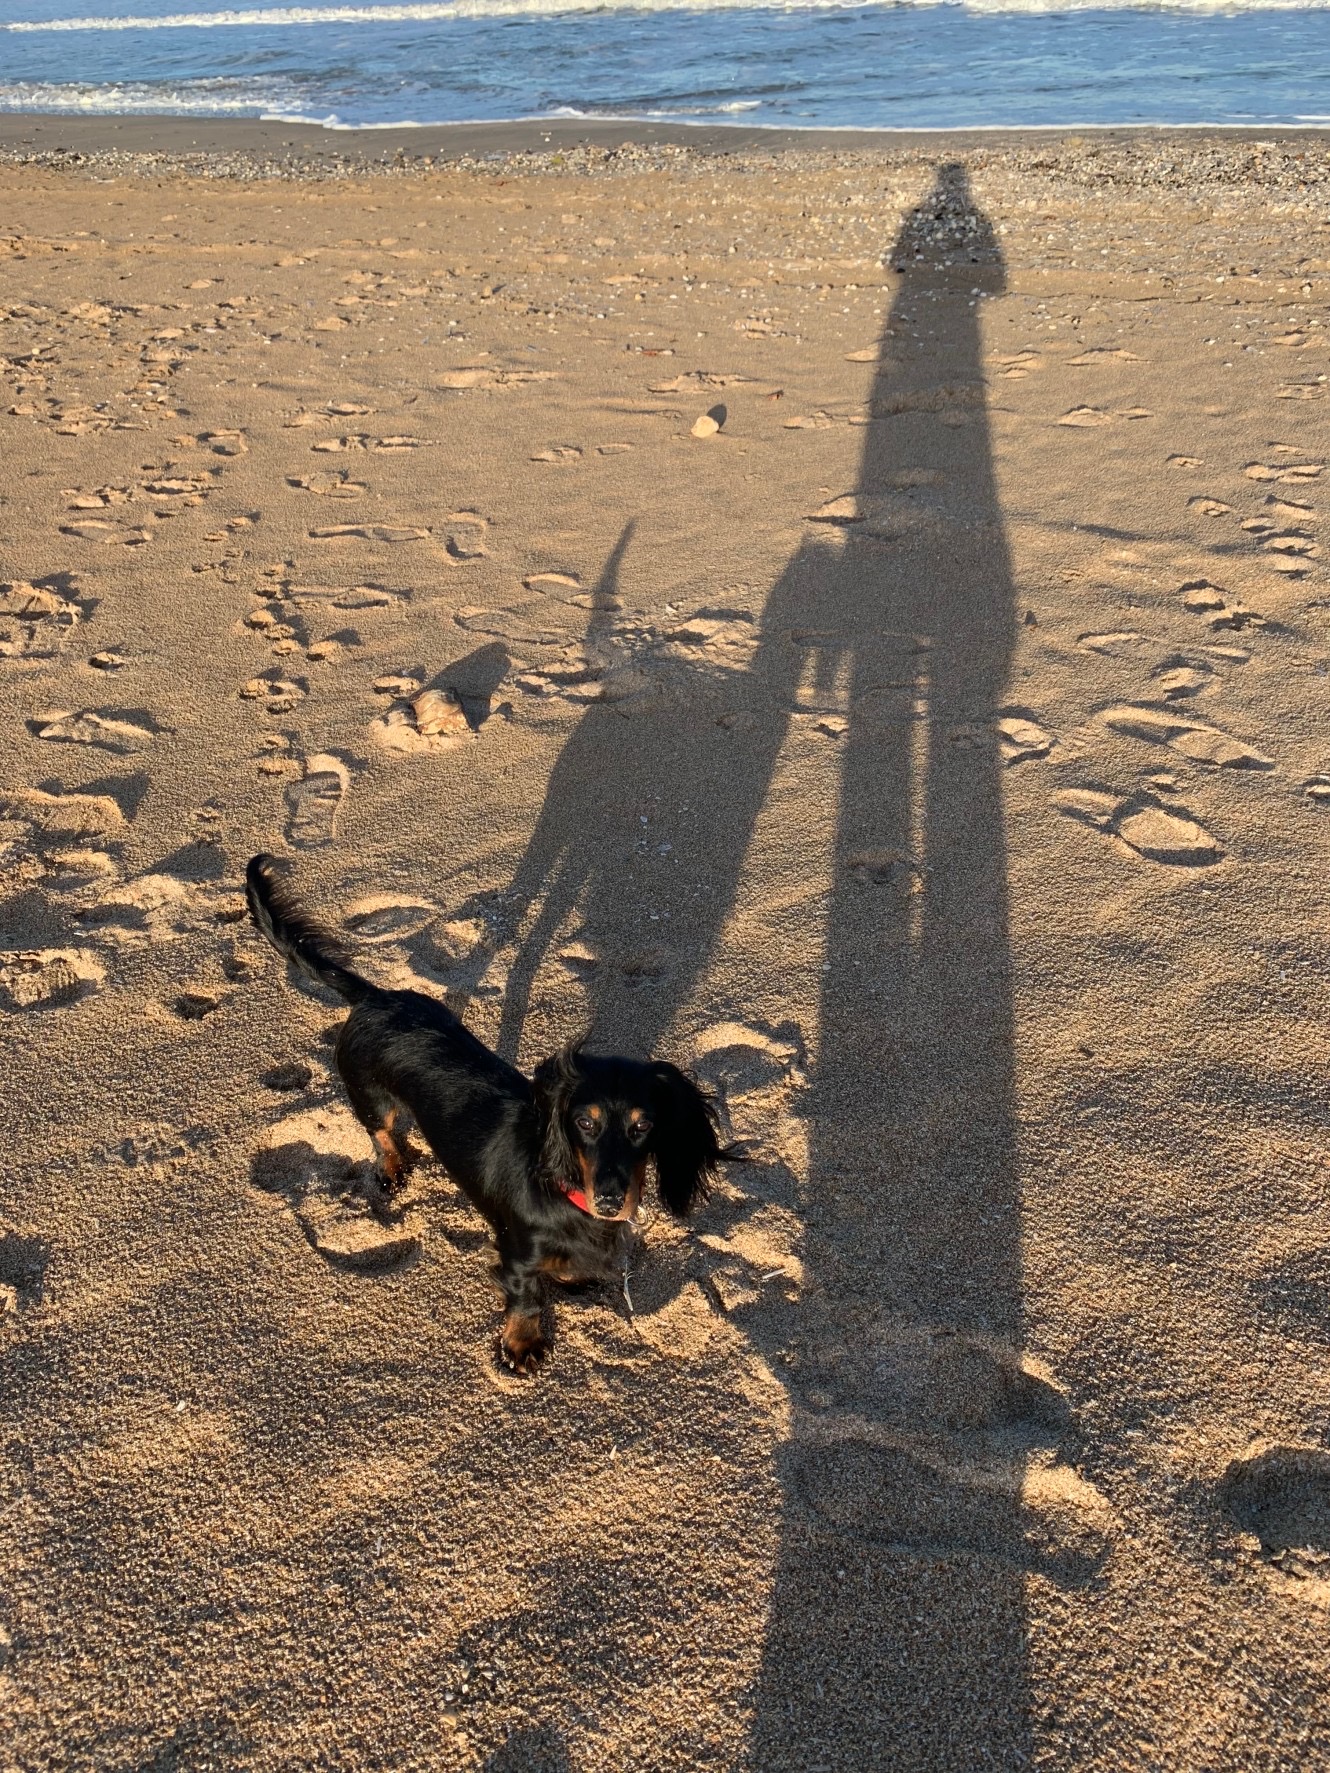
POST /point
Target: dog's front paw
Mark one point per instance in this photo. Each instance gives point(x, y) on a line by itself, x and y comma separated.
point(522, 1346)
point(378, 1191)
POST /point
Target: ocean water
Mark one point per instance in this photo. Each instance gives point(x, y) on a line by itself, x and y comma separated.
point(914, 64)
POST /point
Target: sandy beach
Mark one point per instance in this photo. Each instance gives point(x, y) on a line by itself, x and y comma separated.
point(875, 593)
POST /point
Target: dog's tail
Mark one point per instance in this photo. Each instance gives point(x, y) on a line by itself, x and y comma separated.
point(304, 942)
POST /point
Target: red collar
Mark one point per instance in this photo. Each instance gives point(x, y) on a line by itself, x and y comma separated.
point(577, 1198)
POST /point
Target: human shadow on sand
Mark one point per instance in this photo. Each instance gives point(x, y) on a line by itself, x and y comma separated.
point(896, 1627)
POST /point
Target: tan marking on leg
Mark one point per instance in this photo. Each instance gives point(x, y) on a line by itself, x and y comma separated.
point(521, 1344)
point(392, 1160)
point(560, 1269)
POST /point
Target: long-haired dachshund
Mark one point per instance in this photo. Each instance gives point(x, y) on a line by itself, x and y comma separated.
point(556, 1163)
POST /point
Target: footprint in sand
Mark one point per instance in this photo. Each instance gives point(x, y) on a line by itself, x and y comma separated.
point(917, 1501)
point(522, 623)
point(1103, 354)
point(465, 539)
point(47, 978)
point(59, 839)
point(755, 1074)
point(56, 820)
point(315, 801)
point(279, 694)
point(190, 491)
point(221, 443)
point(1013, 366)
point(488, 376)
point(1020, 736)
point(1185, 462)
point(1208, 507)
point(291, 1074)
point(155, 908)
point(561, 454)
point(107, 731)
point(388, 917)
point(887, 868)
point(561, 585)
point(329, 486)
point(1291, 472)
point(94, 529)
point(1090, 417)
point(717, 637)
point(392, 533)
point(1204, 599)
point(1117, 643)
point(98, 498)
point(36, 621)
point(1177, 678)
point(362, 597)
point(1294, 543)
point(1142, 825)
point(460, 954)
point(1203, 744)
point(264, 621)
point(318, 1161)
point(1281, 1494)
point(1287, 510)
point(695, 379)
point(1015, 731)
point(193, 1004)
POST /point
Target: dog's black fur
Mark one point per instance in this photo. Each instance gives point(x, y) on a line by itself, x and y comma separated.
point(523, 1150)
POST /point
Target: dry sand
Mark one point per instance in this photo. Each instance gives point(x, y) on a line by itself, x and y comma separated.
point(932, 753)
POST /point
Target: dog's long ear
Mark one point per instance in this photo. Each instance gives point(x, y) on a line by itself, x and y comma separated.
point(553, 1084)
point(684, 1142)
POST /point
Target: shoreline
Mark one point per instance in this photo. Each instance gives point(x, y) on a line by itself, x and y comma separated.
point(26, 136)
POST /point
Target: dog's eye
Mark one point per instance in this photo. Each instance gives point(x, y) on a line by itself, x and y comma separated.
point(585, 1123)
point(639, 1129)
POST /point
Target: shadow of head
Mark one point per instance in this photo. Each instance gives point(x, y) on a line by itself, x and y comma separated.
point(23, 1263)
point(1282, 1495)
point(474, 680)
point(537, 1750)
point(297, 1169)
point(947, 231)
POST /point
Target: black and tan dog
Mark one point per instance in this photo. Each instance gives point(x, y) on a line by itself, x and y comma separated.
point(555, 1163)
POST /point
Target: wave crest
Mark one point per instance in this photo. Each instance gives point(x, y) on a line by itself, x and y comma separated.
point(430, 11)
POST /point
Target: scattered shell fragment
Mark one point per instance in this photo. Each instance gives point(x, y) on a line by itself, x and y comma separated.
point(439, 711)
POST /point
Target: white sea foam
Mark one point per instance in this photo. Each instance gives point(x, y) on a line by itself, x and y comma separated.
point(429, 11)
point(127, 99)
point(115, 98)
